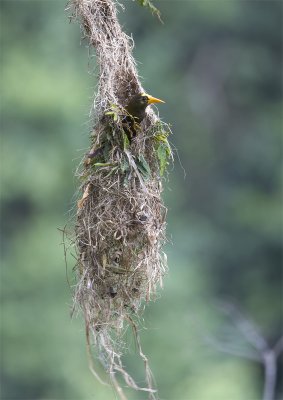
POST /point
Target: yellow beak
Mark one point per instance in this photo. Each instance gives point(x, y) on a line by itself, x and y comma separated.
point(154, 100)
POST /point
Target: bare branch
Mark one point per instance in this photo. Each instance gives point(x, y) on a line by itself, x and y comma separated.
point(248, 328)
point(229, 349)
point(278, 347)
point(265, 354)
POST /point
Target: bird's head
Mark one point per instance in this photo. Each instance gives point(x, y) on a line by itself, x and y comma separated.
point(146, 99)
point(140, 101)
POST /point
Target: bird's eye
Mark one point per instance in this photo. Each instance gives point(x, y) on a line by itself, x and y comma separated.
point(145, 99)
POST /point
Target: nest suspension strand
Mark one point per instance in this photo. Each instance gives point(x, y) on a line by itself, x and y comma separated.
point(120, 224)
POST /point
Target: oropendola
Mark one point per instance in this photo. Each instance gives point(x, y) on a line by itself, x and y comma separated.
point(135, 108)
point(136, 111)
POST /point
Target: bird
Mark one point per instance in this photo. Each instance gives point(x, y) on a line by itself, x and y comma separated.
point(137, 105)
point(135, 108)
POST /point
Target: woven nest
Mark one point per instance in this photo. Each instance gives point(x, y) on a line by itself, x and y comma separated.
point(120, 223)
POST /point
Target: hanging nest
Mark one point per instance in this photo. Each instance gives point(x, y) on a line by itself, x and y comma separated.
point(120, 222)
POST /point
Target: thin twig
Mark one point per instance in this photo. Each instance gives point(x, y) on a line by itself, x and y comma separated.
point(89, 355)
point(117, 387)
point(266, 354)
point(270, 373)
point(278, 347)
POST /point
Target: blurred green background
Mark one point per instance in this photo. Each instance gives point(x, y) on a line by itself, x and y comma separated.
point(218, 66)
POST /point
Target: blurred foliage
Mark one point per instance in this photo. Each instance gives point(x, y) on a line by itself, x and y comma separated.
point(218, 65)
point(150, 6)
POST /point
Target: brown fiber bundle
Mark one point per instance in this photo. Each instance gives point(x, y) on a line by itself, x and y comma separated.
point(120, 225)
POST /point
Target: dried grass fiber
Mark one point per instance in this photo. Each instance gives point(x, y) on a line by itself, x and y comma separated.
point(120, 222)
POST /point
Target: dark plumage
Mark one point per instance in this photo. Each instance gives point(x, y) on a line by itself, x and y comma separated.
point(136, 112)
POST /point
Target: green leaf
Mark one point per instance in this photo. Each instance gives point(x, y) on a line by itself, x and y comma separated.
point(124, 166)
point(126, 142)
point(161, 137)
point(113, 114)
point(104, 165)
point(106, 150)
point(151, 7)
point(143, 167)
point(163, 152)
